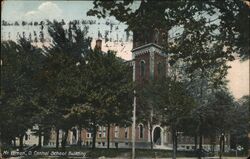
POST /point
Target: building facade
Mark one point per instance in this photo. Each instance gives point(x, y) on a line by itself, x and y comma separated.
point(149, 62)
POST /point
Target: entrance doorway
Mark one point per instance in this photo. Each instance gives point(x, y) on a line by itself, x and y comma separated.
point(157, 136)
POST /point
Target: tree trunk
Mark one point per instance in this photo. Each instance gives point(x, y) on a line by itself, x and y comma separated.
point(39, 138)
point(108, 135)
point(64, 139)
point(46, 136)
point(221, 145)
point(174, 143)
point(200, 126)
point(200, 146)
point(213, 141)
point(14, 142)
point(21, 143)
point(1, 155)
point(80, 137)
point(151, 138)
point(220, 155)
point(94, 135)
point(57, 138)
point(195, 142)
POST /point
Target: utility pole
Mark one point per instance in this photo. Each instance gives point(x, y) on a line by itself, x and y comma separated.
point(133, 128)
point(0, 149)
point(134, 116)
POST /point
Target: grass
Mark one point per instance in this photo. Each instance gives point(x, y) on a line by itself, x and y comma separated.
point(112, 152)
point(98, 152)
point(233, 154)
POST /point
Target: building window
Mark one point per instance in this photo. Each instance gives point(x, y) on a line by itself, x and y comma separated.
point(116, 132)
point(103, 134)
point(100, 128)
point(141, 130)
point(88, 135)
point(26, 137)
point(116, 128)
point(126, 133)
point(143, 69)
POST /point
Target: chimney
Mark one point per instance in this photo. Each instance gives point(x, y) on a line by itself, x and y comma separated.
point(98, 45)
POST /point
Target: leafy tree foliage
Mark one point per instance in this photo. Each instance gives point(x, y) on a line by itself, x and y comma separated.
point(20, 62)
point(229, 18)
point(61, 86)
point(62, 74)
point(109, 87)
point(171, 103)
point(240, 128)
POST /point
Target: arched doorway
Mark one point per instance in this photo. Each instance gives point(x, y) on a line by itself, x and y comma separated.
point(74, 136)
point(157, 136)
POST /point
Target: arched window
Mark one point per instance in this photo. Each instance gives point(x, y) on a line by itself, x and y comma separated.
point(143, 69)
point(116, 131)
point(74, 132)
point(141, 131)
point(26, 137)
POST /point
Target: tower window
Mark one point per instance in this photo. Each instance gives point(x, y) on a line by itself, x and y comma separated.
point(143, 69)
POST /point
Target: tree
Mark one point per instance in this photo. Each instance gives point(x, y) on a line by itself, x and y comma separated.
point(109, 87)
point(240, 129)
point(117, 86)
point(172, 105)
point(17, 88)
point(227, 16)
point(202, 67)
point(62, 74)
point(221, 120)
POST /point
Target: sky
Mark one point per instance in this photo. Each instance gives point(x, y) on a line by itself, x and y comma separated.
point(19, 10)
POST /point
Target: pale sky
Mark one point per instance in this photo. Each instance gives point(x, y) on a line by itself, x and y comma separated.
point(19, 10)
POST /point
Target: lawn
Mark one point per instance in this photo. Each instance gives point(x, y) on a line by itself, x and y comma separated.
point(98, 152)
point(126, 153)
